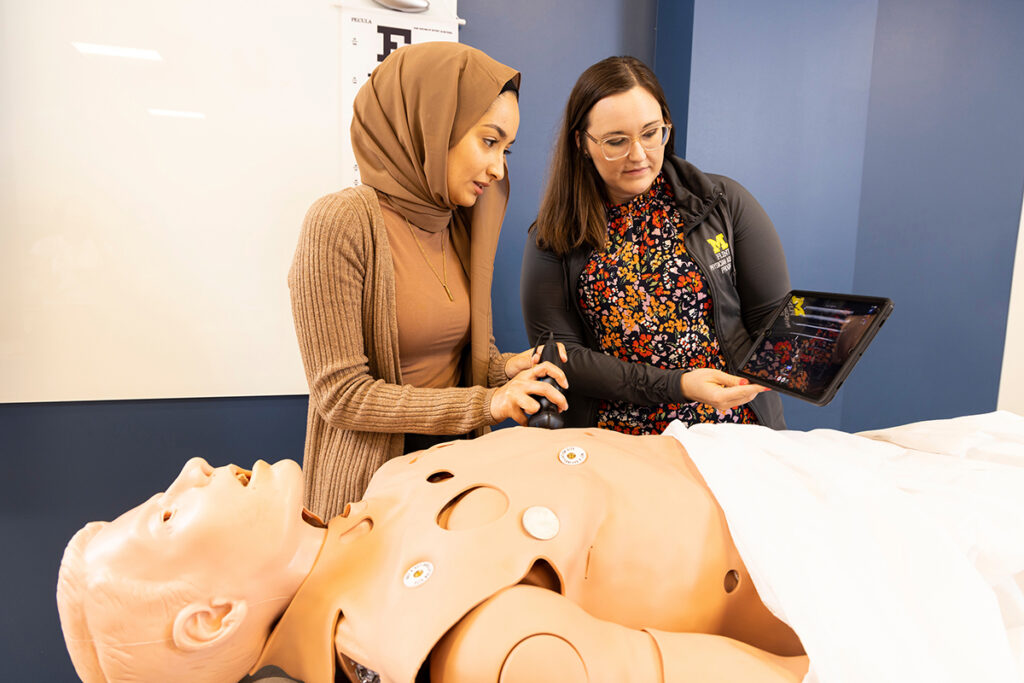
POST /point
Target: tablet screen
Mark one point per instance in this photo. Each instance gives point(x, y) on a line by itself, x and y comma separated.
point(811, 340)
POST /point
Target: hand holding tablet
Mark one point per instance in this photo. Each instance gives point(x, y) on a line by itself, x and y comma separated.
point(812, 342)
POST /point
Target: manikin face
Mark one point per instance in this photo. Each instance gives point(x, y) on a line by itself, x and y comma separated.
point(214, 527)
point(478, 159)
point(629, 114)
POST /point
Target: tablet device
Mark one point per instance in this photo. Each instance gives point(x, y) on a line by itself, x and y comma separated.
point(812, 341)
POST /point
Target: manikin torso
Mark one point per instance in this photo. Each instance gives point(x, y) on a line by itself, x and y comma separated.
point(624, 527)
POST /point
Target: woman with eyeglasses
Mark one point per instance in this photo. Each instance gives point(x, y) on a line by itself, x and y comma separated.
point(655, 275)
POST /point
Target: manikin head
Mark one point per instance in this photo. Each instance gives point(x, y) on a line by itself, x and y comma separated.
point(187, 585)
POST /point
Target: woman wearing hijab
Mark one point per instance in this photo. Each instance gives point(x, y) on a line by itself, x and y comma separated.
point(391, 280)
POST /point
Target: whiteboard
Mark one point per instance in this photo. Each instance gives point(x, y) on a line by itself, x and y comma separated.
point(150, 207)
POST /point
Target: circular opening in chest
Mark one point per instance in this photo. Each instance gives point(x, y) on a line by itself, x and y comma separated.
point(473, 508)
point(732, 580)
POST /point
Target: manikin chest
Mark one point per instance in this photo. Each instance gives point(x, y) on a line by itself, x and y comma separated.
point(619, 524)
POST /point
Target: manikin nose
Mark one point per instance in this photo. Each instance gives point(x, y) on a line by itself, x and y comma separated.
point(196, 472)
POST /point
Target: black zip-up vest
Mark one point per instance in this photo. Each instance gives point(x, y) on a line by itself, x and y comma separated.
point(708, 236)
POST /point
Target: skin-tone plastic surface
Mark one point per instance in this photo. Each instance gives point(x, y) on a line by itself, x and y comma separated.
point(534, 634)
point(527, 554)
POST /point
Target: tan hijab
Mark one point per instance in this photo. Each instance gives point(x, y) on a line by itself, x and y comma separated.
point(418, 103)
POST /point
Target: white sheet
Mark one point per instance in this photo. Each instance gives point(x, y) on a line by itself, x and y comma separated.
point(896, 555)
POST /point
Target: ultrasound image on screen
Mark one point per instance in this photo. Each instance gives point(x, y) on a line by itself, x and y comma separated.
point(809, 342)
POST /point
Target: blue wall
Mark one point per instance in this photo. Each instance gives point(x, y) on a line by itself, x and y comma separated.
point(778, 101)
point(551, 44)
point(940, 206)
point(68, 463)
point(673, 48)
point(884, 138)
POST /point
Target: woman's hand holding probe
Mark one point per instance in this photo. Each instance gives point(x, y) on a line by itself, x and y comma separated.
point(516, 398)
point(528, 358)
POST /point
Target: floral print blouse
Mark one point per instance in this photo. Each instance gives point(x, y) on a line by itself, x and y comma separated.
point(646, 302)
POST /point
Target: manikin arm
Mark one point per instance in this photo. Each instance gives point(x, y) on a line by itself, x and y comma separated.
point(526, 633)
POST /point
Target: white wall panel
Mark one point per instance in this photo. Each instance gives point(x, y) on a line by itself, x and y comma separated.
point(145, 256)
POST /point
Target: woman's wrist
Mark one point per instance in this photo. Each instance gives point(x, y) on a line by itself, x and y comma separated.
point(519, 362)
point(488, 400)
point(682, 386)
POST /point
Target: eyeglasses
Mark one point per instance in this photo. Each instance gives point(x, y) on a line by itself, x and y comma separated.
point(617, 146)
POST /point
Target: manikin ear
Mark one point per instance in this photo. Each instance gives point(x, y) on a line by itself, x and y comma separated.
point(204, 624)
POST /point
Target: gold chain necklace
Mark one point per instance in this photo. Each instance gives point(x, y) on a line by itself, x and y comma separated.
point(444, 260)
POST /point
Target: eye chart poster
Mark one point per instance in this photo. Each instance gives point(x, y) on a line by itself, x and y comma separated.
point(369, 33)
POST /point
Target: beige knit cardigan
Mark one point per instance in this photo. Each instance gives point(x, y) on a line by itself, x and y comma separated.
point(342, 285)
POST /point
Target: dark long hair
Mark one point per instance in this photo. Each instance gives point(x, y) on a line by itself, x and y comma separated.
point(572, 209)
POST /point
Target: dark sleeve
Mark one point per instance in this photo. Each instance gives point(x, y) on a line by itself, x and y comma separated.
point(762, 278)
point(547, 307)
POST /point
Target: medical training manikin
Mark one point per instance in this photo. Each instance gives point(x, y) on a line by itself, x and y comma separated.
point(524, 555)
point(712, 553)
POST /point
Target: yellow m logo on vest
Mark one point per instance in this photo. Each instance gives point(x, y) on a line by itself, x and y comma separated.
point(718, 243)
point(798, 305)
